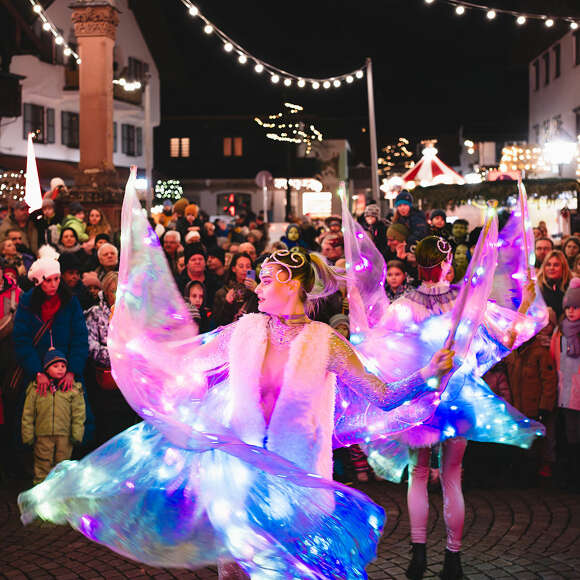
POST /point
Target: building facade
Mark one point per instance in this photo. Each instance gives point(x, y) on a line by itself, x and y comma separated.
point(50, 98)
point(554, 91)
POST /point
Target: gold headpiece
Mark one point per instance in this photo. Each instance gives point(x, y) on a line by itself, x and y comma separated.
point(297, 258)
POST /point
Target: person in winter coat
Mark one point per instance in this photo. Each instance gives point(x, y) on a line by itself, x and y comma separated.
point(47, 223)
point(54, 416)
point(411, 217)
point(75, 219)
point(113, 414)
point(566, 351)
point(439, 225)
point(553, 279)
point(20, 220)
point(293, 237)
point(49, 316)
point(375, 227)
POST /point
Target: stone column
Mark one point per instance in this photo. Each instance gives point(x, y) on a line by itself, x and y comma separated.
point(95, 23)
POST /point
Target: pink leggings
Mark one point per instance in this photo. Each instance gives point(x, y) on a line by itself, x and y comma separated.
point(452, 451)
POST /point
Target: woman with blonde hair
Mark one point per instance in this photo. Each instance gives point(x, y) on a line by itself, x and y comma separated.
point(553, 278)
point(98, 224)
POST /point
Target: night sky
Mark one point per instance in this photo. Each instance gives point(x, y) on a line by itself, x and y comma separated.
point(433, 71)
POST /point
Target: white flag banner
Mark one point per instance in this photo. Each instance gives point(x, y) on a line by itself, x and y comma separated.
point(32, 195)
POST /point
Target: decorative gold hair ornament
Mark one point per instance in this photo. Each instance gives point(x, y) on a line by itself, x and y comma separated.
point(298, 260)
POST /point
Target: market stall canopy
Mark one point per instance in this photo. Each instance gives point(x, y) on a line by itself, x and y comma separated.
point(430, 170)
point(443, 195)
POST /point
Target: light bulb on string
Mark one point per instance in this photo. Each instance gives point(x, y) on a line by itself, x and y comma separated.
point(193, 10)
point(315, 85)
point(349, 79)
point(275, 78)
point(287, 82)
point(574, 25)
point(359, 74)
point(228, 47)
point(549, 23)
point(259, 68)
point(37, 8)
point(460, 10)
point(46, 26)
point(326, 84)
point(59, 40)
point(429, 1)
point(491, 14)
point(521, 20)
point(242, 59)
point(336, 83)
point(208, 28)
point(67, 51)
point(301, 83)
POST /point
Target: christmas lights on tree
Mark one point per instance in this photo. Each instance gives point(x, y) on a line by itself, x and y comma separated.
point(168, 189)
point(395, 158)
point(287, 126)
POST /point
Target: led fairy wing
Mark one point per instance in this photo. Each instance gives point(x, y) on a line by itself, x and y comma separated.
point(151, 336)
point(393, 345)
point(366, 286)
point(515, 268)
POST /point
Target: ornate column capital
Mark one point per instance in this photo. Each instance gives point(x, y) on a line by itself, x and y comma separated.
point(95, 18)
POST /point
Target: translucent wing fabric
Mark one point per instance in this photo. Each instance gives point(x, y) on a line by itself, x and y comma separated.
point(393, 342)
point(180, 490)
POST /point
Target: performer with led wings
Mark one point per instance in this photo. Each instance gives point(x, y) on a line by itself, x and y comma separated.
point(233, 462)
point(494, 310)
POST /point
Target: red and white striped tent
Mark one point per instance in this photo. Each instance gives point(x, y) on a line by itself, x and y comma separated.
point(430, 170)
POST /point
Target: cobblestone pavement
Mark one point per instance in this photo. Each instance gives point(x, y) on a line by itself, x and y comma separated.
point(523, 534)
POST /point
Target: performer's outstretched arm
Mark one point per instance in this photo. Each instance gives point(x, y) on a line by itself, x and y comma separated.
point(344, 362)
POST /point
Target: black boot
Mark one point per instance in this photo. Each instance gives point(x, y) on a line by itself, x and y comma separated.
point(418, 563)
point(451, 566)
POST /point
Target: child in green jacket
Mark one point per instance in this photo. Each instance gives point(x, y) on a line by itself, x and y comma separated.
point(54, 416)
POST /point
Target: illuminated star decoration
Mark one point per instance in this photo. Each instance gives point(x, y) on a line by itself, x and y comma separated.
point(289, 128)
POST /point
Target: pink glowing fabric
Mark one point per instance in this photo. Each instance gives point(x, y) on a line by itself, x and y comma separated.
point(395, 336)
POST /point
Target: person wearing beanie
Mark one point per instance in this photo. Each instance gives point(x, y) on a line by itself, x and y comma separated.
point(92, 283)
point(566, 348)
point(334, 224)
point(410, 216)
point(439, 225)
point(375, 227)
point(19, 219)
point(49, 316)
point(75, 219)
point(70, 270)
point(53, 419)
point(189, 220)
point(195, 269)
point(216, 264)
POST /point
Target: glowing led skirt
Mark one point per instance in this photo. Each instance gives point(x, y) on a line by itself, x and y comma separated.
point(469, 409)
point(165, 506)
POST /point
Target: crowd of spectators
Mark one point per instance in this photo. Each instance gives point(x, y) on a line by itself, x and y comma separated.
point(216, 265)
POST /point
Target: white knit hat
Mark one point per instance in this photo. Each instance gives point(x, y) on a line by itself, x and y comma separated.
point(46, 266)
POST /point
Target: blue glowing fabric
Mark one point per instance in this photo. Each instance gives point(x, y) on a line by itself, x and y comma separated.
point(395, 336)
point(180, 489)
point(165, 506)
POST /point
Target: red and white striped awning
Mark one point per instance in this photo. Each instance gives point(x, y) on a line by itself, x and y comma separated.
point(430, 170)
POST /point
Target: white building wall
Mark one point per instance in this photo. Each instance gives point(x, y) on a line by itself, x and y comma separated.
point(557, 98)
point(44, 84)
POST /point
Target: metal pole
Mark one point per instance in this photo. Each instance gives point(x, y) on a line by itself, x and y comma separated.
point(373, 133)
point(148, 145)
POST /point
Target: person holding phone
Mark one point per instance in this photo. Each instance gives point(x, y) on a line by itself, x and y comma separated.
point(237, 297)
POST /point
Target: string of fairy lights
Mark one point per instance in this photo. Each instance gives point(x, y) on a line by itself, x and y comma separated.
point(49, 26)
point(286, 78)
point(461, 8)
point(261, 67)
point(290, 129)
